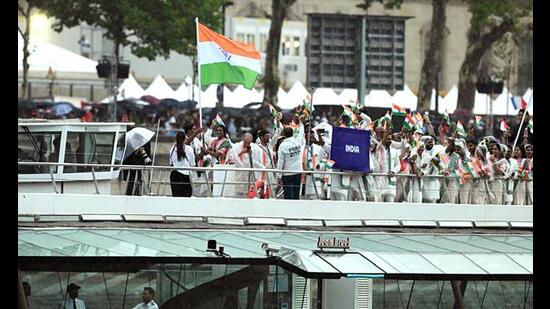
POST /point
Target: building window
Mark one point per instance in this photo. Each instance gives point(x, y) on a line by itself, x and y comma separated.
point(385, 51)
point(263, 42)
point(335, 45)
point(291, 67)
point(286, 44)
point(296, 46)
point(250, 39)
point(240, 37)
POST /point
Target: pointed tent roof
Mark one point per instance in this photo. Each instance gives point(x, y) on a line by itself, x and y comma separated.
point(44, 55)
point(297, 94)
point(183, 92)
point(160, 89)
point(325, 96)
point(348, 96)
point(378, 98)
point(130, 88)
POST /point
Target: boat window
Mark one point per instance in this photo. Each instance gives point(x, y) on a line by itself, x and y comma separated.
point(120, 148)
point(91, 148)
point(38, 147)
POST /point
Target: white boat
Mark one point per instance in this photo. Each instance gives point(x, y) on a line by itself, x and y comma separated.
point(253, 253)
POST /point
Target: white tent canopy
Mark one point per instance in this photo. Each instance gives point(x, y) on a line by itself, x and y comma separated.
point(324, 96)
point(130, 88)
point(183, 92)
point(348, 96)
point(405, 98)
point(160, 89)
point(44, 55)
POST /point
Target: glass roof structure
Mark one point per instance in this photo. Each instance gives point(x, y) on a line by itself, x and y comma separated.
point(391, 255)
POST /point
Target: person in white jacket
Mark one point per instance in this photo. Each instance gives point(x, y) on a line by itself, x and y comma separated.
point(289, 158)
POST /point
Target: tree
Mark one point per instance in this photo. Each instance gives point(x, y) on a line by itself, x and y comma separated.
point(490, 21)
point(151, 28)
point(271, 81)
point(432, 58)
point(26, 13)
point(175, 29)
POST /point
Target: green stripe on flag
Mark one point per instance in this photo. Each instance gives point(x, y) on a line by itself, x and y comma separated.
point(223, 72)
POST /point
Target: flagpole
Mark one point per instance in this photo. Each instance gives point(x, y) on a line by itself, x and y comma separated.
point(199, 73)
point(521, 123)
point(310, 147)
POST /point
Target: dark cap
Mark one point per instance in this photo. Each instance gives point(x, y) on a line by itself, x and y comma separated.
point(72, 286)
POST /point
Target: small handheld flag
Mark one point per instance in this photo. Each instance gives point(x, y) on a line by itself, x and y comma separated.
point(397, 110)
point(460, 129)
point(518, 102)
point(409, 122)
point(503, 125)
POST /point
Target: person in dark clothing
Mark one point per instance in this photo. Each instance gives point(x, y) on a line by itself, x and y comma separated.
point(134, 177)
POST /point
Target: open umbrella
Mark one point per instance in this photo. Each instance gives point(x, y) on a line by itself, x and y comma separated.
point(61, 109)
point(150, 99)
point(136, 138)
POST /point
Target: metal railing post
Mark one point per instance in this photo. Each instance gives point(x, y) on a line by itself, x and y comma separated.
point(95, 181)
point(53, 182)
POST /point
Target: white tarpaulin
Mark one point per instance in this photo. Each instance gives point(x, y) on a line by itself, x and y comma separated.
point(130, 89)
point(160, 89)
point(44, 55)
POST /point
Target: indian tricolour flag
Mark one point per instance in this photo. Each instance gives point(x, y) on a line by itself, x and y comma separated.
point(504, 127)
point(460, 129)
point(470, 168)
point(222, 60)
point(397, 110)
point(409, 122)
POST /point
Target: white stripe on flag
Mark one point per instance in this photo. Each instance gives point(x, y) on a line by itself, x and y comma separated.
point(210, 52)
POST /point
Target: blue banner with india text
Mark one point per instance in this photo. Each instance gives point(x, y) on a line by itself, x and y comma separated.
point(350, 149)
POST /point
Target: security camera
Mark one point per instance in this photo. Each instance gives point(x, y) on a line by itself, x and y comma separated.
point(270, 248)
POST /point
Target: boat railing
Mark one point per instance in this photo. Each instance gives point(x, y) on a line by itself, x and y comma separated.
point(232, 181)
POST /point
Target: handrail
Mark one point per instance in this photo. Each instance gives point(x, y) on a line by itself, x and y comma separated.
point(230, 167)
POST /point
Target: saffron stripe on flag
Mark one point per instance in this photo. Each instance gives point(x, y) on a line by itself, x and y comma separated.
point(236, 48)
point(210, 53)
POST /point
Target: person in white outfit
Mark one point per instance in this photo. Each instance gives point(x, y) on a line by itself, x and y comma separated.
point(312, 156)
point(500, 169)
point(289, 158)
point(246, 154)
point(147, 299)
point(72, 301)
point(387, 163)
point(430, 166)
point(181, 155)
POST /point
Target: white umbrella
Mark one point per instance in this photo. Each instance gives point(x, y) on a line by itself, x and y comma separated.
point(136, 138)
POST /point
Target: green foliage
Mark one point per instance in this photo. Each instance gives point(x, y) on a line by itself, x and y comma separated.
point(388, 4)
point(482, 10)
point(150, 27)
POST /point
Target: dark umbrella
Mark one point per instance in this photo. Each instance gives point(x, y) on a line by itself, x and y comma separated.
point(61, 109)
point(190, 104)
point(170, 103)
point(150, 99)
